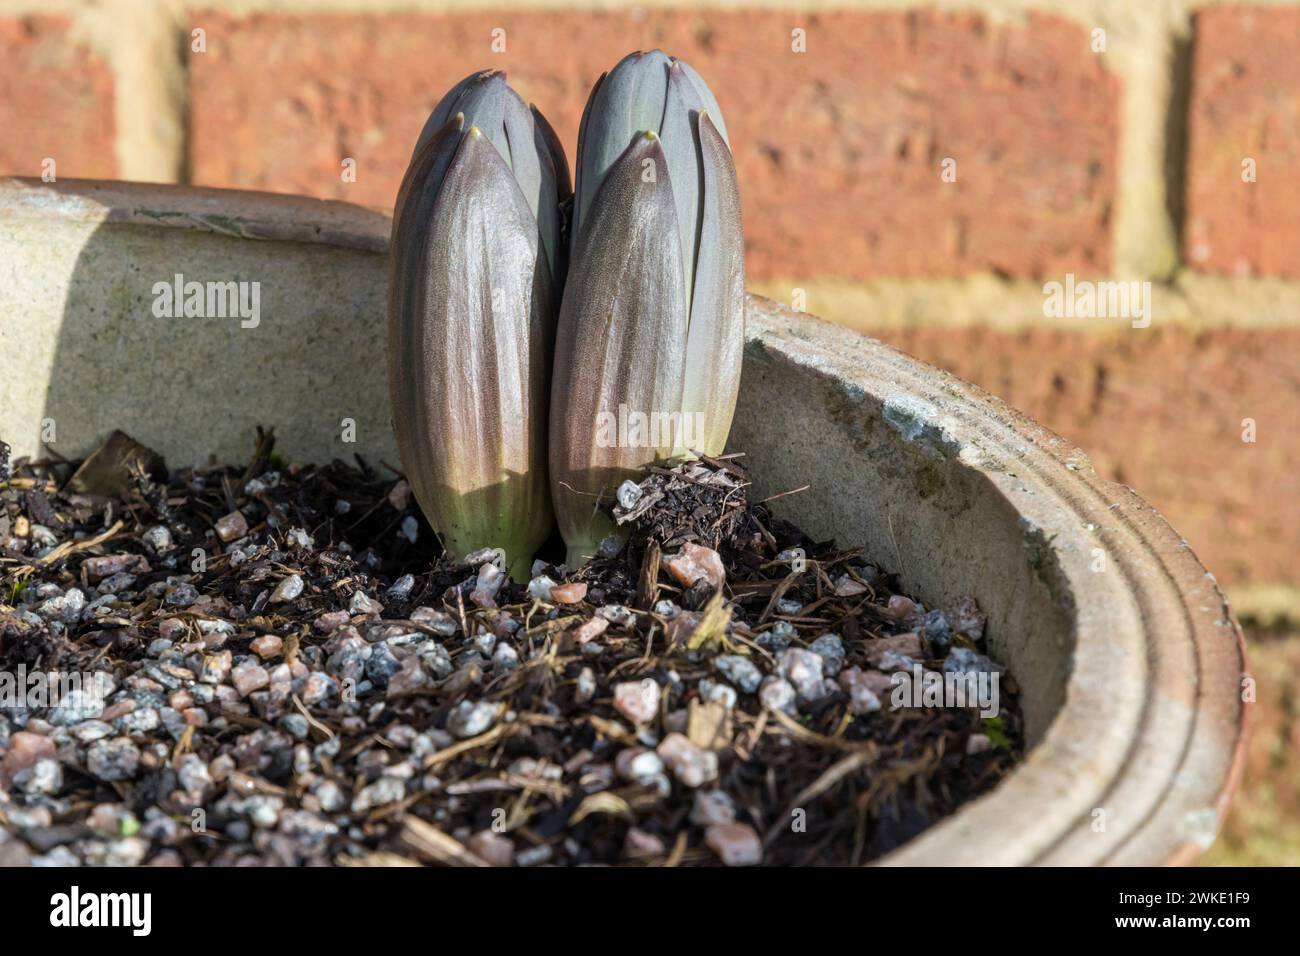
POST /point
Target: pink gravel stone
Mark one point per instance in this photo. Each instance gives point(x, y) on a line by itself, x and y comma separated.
point(331, 620)
point(712, 807)
point(571, 593)
point(900, 607)
point(590, 630)
point(232, 526)
point(845, 586)
point(267, 646)
point(637, 700)
point(692, 766)
point(907, 645)
point(120, 709)
point(640, 845)
point(636, 763)
point(216, 667)
point(482, 599)
point(249, 677)
point(735, 843)
point(25, 748)
point(695, 561)
point(864, 695)
point(410, 680)
point(492, 848)
point(100, 567)
point(878, 683)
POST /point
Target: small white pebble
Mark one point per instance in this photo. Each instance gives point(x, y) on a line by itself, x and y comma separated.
point(287, 590)
point(540, 588)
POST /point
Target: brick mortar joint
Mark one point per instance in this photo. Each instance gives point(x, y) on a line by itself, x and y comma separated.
point(1187, 300)
point(139, 45)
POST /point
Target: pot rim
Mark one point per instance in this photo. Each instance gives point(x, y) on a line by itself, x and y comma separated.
point(1153, 716)
point(1153, 726)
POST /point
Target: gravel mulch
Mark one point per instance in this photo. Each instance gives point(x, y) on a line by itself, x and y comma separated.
point(277, 666)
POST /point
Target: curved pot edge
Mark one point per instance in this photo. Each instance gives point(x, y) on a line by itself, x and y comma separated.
point(1209, 766)
point(242, 214)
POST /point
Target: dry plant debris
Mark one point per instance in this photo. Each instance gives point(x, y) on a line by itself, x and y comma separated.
point(280, 668)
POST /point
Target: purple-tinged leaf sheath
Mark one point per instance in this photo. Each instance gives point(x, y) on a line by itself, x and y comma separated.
point(627, 101)
point(621, 340)
point(548, 144)
point(707, 102)
point(520, 134)
point(546, 133)
point(716, 337)
point(682, 152)
point(577, 164)
point(469, 296)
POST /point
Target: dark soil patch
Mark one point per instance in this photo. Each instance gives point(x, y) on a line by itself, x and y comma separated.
point(292, 673)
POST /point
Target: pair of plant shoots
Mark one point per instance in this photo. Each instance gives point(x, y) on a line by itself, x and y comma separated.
point(515, 342)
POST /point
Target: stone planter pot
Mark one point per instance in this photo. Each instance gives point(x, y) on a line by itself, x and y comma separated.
point(1128, 657)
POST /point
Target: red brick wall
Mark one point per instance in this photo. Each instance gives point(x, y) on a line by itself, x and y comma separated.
point(839, 152)
point(56, 101)
point(1162, 412)
point(1245, 106)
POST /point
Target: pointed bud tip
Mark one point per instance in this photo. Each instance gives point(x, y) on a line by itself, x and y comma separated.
point(650, 134)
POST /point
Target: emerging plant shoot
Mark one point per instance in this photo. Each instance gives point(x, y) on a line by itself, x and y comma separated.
point(476, 267)
point(648, 347)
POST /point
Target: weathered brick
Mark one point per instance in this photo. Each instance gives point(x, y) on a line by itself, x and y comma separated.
point(1161, 410)
point(1245, 105)
point(839, 149)
point(57, 101)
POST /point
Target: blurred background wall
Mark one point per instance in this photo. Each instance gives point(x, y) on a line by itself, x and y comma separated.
point(915, 170)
